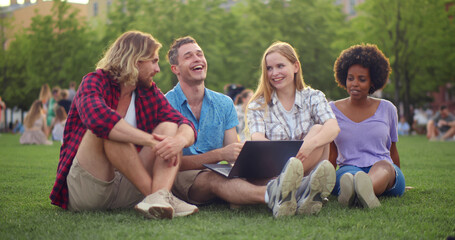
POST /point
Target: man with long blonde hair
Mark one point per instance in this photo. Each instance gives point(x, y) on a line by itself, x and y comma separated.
point(123, 141)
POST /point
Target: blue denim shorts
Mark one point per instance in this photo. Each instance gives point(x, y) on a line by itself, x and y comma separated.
point(397, 190)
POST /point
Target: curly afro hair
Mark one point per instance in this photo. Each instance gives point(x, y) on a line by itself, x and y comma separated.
point(367, 55)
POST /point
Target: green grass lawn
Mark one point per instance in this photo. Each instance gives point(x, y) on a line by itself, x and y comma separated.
point(27, 174)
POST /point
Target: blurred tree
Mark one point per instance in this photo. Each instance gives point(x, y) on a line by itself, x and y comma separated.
point(14, 73)
point(310, 26)
point(417, 36)
point(55, 49)
point(205, 21)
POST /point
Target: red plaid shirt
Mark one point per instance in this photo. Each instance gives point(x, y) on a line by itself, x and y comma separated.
point(94, 108)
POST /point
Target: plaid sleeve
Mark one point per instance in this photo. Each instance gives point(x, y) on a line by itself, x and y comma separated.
point(321, 110)
point(255, 118)
point(95, 114)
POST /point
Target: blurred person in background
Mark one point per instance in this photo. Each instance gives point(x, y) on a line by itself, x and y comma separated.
point(442, 126)
point(420, 121)
point(403, 126)
point(2, 108)
point(36, 130)
point(241, 102)
point(53, 102)
point(72, 91)
point(58, 124)
point(45, 95)
point(64, 101)
point(232, 90)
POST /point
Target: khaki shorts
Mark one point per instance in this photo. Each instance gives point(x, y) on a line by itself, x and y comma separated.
point(89, 193)
point(182, 184)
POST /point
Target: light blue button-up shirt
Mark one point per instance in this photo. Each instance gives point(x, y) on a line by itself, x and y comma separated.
point(217, 115)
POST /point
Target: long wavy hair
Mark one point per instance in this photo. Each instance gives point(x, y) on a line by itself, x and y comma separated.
point(121, 58)
point(34, 113)
point(45, 93)
point(265, 89)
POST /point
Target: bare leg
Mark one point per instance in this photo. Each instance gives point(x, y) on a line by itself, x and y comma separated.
point(318, 154)
point(450, 133)
point(163, 175)
point(209, 185)
point(124, 157)
point(431, 130)
point(382, 176)
point(100, 157)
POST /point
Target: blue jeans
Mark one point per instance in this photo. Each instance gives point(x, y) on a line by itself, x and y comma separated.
point(397, 190)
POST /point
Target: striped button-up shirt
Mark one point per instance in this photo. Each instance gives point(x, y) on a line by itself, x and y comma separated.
point(310, 108)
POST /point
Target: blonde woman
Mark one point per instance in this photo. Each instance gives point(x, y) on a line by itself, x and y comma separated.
point(45, 95)
point(284, 108)
point(241, 102)
point(36, 130)
point(58, 124)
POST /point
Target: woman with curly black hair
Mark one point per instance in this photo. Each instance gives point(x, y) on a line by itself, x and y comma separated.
point(366, 148)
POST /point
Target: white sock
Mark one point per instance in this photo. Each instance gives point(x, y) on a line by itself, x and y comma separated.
point(266, 196)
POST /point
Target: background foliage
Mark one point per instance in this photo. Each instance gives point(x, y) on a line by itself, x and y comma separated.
point(416, 35)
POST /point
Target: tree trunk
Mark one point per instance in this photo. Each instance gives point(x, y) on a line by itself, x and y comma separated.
point(396, 64)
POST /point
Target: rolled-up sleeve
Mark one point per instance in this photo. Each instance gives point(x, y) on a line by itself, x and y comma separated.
point(255, 118)
point(321, 108)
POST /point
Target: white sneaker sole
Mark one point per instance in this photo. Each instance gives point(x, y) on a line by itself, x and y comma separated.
point(347, 192)
point(154, 211)
point(322, 182)
point(364, 190)
point(187, 213)
point(289, 183)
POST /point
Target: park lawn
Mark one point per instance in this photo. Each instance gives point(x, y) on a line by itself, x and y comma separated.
point(27, 174)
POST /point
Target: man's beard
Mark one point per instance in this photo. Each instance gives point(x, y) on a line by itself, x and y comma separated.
point(144, 83)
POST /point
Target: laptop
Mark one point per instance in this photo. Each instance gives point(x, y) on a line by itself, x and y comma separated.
point(259, 159)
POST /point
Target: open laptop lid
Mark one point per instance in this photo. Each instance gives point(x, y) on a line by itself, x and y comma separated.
point(260, 159)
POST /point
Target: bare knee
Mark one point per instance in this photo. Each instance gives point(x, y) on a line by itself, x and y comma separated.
point(204, 187)
point(385, 165)
point(384, 168)
point(166, 128)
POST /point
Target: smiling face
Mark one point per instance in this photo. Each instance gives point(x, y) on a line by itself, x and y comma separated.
point(192, 65)
point(147, 70)
point(280, 71)
point(358, 82)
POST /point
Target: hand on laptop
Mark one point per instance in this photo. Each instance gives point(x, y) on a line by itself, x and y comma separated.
point(231, 152)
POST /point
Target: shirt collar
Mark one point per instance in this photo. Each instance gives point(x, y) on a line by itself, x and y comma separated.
point(181, 98)
point(298, 101)
point(145, 92)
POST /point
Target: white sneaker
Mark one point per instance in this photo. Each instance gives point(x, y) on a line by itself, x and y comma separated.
point(315, 188)
point(182, 208)
point(347, 192)
point(156, 205)
point(364, 190)
point(282, 190)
